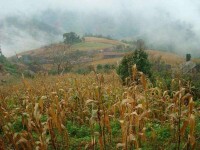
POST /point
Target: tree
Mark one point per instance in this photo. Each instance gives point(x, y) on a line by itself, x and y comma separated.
point(188, 57)
point(138, 57)
point(59, 57)
point(71, 38)
point(7, 66)
point(140, 44)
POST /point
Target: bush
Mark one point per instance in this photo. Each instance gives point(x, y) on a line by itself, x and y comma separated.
point(138, 57)
point(6, 65)
point(52, 72)
point(106, 67)
point(85, 70)
point(99, 67)
point(194, 80)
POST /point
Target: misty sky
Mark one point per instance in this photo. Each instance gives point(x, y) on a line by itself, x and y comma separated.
point(159, 22)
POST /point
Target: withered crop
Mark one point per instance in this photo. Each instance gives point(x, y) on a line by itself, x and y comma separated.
point(40, 113)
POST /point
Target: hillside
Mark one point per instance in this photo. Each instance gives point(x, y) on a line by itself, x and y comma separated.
point(167, 57)
point(103, 40)
point(93, 51)
point(91, 43)
point(35, 30)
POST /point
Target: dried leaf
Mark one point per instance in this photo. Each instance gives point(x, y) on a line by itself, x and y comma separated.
point(192, 124)
point(134, 71)
point(101, 142)
point(192, 140)
point(120, 145)
point(89, 101)
point(183, 128)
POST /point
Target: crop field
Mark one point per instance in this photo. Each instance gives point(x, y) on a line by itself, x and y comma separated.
point(167, 57)
point(106, 61)
point(102, 40)
point(96, 111)
point(91, 46)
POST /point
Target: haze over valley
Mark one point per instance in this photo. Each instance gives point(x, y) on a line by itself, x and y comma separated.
point(164, 25)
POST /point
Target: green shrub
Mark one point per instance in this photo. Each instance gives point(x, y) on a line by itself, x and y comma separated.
point(99, 67)
point(8, 66)
point(106, 67)
point(78, 131)
point(138, 57)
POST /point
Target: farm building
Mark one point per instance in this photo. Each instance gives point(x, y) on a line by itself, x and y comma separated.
point(189, 66)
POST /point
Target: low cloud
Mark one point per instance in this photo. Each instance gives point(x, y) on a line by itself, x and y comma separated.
point(165, 25)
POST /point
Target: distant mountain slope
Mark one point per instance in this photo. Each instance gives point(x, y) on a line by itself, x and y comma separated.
point(167, 57)
point(19, 32)
point(103, 40)
point(93, 43)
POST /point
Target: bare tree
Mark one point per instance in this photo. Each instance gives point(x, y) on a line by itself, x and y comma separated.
point(140, 44)
point(59, 57)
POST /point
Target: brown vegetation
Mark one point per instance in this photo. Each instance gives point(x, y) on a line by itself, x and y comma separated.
point(43, 107)
point(102, 40)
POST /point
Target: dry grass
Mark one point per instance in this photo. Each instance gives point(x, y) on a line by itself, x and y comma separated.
point(106, 61)
point(89, 44)
point(167, 57)
point(197, 60)
point(103, 40)
point(44, 51)
point(86, 46)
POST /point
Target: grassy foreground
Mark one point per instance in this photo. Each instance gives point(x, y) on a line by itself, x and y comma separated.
point(96, 111)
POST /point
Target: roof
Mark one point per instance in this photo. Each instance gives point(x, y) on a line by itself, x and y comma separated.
point(187, 66)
